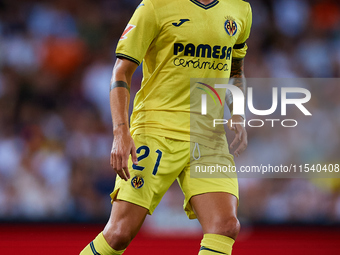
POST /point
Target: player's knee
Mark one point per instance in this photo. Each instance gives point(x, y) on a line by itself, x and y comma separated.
point(118, 239)
point(227, 226)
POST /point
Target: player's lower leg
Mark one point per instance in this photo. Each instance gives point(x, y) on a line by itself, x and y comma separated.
point(217, 214)
point(124, 223)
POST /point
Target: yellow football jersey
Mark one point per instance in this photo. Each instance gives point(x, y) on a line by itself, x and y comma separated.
point(178, 40)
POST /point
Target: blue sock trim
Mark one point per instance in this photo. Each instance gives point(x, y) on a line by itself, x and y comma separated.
point(94, 249)
point(207, 249)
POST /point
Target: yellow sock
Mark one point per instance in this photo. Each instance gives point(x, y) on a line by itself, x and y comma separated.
point(99, 246)
point(213, 244)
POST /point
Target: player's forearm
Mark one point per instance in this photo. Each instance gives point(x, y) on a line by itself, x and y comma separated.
point(237, 79)
point(119, 102)
point(120, 96)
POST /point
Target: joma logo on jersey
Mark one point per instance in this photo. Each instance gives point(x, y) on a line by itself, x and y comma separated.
point(203, 50)
point(181, 21)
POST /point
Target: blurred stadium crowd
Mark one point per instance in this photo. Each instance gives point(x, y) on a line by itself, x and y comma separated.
point(56, 59)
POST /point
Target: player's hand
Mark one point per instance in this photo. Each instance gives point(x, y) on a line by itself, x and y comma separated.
point(241, 135)
point(122, 146)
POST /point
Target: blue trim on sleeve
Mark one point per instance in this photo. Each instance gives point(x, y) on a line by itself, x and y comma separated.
point(120, 55)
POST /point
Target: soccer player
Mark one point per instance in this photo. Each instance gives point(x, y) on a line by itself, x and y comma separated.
point(176, 40)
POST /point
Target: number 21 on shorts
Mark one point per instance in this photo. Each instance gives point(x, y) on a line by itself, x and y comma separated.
point(145, 150)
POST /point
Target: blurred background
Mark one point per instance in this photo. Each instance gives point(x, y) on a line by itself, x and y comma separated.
point(56, 59)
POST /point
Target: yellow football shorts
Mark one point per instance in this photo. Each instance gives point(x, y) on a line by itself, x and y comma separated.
point(163, 160)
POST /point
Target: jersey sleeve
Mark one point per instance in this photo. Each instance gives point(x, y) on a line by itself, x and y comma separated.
point(139, 33)
point(240, 48)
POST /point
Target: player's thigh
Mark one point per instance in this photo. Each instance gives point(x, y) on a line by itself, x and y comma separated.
point(194, 183)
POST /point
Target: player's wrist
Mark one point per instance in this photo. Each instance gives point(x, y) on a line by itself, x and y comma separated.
point(121, 128)
point(238, 116)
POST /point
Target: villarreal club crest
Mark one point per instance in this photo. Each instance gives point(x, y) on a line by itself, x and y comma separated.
point(230, 26)
point(137, 182)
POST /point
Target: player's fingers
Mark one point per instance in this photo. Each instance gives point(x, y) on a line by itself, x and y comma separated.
point(125, 166)
point(134, 154)
point(238, 135)
point(117, 165)
point(239, 130)
point(113, 160)
point(121, 164)
point(121, 174)
point(243, 144)
point(118, 161)
point(241, 148)
point(126, 173)
point(235, 141)
point(231, 127)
